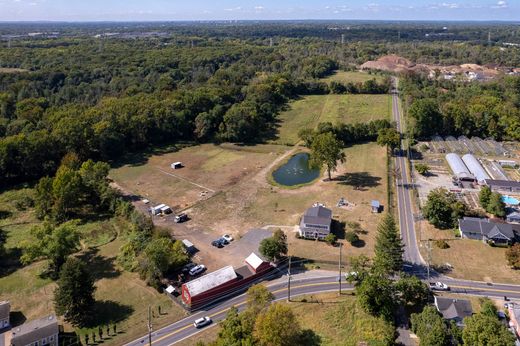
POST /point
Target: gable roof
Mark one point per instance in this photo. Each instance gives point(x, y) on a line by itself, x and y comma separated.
point(375, 204)
point(34, 331)
point(453, 308)
point(503, 183)
point(476, 228)
point(211, 280)
point(318, 216)
point(254, 260)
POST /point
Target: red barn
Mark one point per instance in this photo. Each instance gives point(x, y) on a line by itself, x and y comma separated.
point(203, 289)
point(256, 264)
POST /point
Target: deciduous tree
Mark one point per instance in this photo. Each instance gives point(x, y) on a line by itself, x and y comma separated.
point(513, 256)
point(430, 328)
point(484, 330)
point(277, 326)
point(327, 150)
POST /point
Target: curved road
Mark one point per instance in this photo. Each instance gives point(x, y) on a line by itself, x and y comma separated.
point(415, 264)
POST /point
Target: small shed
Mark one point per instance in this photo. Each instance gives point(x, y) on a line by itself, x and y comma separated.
point(157, 209)
point(376, 206)
point(176, 165)
point(166, 210)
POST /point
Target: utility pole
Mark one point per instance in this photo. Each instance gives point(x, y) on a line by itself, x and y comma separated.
point(429, 258)
point(339, 268)
point(289, 281)
point(149, 325)
point(342, 38)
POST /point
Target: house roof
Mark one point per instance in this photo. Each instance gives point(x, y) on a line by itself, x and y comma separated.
point(375, 204)
point(254, 260)
point(211, 280)
point(514, 215)
point(476, 228)
point(453, 308)
point(318, 216)
point(502, 183)
point(5, 309)
point(34, 331)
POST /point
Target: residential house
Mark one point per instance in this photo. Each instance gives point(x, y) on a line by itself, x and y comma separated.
point(316, 222)
point(514, 317)
point(488, 231)
point(454, 309)
point(503, 185)
point(5, 310)
point(40, 332)
point(376, 206)
point(514, 216)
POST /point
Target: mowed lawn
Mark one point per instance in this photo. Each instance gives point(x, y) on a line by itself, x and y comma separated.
point(469, 259)
point(353, 77)
point(309, 111)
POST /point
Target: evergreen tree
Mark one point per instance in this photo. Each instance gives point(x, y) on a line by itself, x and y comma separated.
point(388, 248)
point(74, 296)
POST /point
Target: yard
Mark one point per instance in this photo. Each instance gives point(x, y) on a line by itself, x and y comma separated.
point(309, 111)
point(469, 259)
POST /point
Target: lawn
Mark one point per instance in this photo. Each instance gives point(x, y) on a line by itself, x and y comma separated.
point(309, 111)
point(469, 259)
point(353, 77)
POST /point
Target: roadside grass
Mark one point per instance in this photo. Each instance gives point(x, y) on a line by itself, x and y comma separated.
point(309, 111)
point(353, 77)
point(341, 321)
point(469, 259)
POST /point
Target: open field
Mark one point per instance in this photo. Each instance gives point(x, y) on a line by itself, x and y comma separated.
point(309, 111)
point(470, 259)
point(353, 77)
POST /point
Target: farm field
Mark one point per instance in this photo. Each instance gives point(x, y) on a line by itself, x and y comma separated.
point(469, 259)
point(121, 296)
point(309, 111)
point(353, 77)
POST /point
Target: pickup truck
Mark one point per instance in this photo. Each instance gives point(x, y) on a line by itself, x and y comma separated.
point(439, 286)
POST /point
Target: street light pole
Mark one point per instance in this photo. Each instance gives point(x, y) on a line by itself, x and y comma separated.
point(149, 325)
point(339, 268)
point(289, 281)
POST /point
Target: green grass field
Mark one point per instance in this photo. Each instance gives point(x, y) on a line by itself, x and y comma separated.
point(353, 77)
point(309, 111)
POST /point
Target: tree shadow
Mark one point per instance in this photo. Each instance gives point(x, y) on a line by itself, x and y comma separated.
point(358, 179)
point(108, 312)
point(140, 158)
point(338, 228)
point(10, 262)
point(5, 214)
point(358, 243)
point(309, 338)
point(101, 267)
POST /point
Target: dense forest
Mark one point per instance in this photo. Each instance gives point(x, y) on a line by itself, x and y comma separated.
point(101, 90)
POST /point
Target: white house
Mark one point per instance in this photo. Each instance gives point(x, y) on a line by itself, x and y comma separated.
point(316, 222)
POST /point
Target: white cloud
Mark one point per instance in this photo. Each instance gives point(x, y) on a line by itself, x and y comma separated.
point(259, 8)
point(239, 8)
point(500, 4)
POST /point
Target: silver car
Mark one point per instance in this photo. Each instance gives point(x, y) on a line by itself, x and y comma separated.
point(202, 322)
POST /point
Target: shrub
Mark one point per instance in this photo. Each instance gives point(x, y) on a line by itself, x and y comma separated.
point(442, 244)
point(331, 238)
point(351, 237)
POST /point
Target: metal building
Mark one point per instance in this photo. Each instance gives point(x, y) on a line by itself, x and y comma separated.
point(458, 167)
point(475, 168)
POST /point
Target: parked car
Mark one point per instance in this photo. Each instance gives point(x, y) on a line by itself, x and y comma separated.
point(217, 243)
point(223, 240)
point(182, 217)
point(202, 322)
point(197, 269)
point(228, 238)
point(188, 267)
point(439, 286)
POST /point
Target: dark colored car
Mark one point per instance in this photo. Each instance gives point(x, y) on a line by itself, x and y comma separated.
point(218, 243)
point(181, 218)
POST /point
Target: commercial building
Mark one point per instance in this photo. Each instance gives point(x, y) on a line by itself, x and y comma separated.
point(224, 282)
point(503, 185)
point(475, 168)
point(43, 331)
point(458, 167)
point(316, 222)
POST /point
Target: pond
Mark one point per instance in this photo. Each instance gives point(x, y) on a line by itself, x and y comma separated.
point(296, 171)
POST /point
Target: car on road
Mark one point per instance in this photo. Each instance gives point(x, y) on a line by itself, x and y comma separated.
point(182, 217)
point(351, 276)
point(439, 286)
point(228, 238)
point(197, 269)
point(202, 322)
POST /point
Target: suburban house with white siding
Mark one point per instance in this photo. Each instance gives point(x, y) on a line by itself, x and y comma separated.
point(316, 222)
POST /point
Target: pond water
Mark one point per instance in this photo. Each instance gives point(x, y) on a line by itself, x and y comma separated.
point(296, 171)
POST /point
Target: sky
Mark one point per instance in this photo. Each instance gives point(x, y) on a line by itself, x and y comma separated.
point(149, 10)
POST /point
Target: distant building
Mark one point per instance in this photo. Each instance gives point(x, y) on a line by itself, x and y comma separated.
point(475, 168)
point(458, 167)
point(503, 185)
point(5, 310)
point(316, 222)
point(513, 217)
point(43, 331)
point(488, 231)
point(454, 309)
